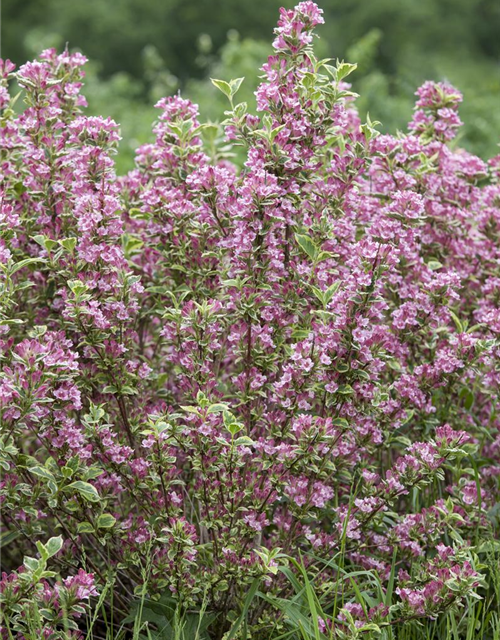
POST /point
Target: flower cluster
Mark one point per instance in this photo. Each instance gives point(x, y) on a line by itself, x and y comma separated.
point(35, 607)
point(203, 363)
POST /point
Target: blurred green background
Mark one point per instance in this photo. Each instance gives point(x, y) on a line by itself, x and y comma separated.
point(140, 50)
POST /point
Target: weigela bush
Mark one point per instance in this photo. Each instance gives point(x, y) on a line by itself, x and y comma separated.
point(206, 368)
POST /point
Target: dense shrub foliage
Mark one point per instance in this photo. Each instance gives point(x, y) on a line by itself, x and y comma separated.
point(219, 383)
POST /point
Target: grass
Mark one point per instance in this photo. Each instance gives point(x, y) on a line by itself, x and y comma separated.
point(300, 616)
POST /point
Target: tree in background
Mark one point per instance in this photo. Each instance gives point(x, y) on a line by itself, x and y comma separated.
point(144, 49)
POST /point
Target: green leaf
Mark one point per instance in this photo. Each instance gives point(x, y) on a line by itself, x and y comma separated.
point(137, 214)
point(110, 389)
point(19, 187)
point(105, 521)
point(468, 398)
point(217, 408)
point(127, 390)
point(234, 428)
point(131, 244)
point(24, 263)
point(68, 243)
point(320, 294)
point(77, 287)
point(344, 69)
point(223, 86)
point(93, 472)
point(32, 564)
point(371, 626)
point(340, 422)
point(39, 239)
point(7, 537)
point(243, 441)
point(85, 489)
point(307, 245)
point(325, 296)
point(434, 265)
point(456, 320)
point(202, 399)
point(41, 472)
point(345, 389)
point(235, 85)
point(85, 527)
point(47, 243)
point(191, 409)
point(54, 545)
point(331, 291)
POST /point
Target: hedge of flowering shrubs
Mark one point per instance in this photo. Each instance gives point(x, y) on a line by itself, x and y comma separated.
point(208, 370)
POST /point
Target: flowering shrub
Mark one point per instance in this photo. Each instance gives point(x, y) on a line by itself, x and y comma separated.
point(208, 370)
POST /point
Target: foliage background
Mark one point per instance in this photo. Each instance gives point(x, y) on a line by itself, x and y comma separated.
point(143, 49)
